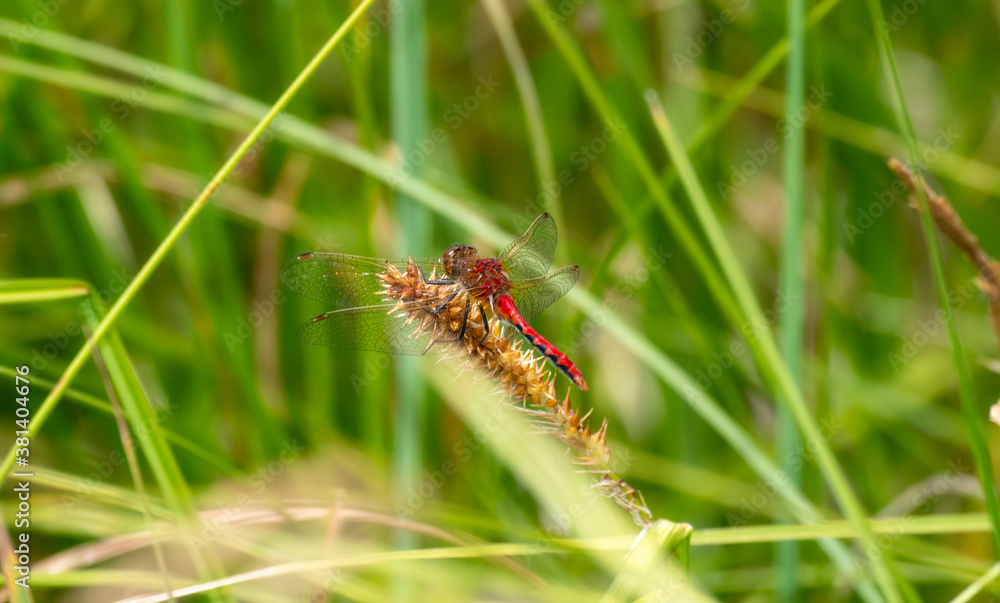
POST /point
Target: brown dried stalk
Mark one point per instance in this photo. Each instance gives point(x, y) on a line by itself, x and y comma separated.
point(951, 225)
point(517, 372)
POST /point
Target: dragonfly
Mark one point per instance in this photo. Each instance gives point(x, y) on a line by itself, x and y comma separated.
point(516, 285)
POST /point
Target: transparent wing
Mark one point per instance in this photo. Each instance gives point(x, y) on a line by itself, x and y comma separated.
point(370, 328)
point(346, 281)
point(530, 255)
point(534, 295)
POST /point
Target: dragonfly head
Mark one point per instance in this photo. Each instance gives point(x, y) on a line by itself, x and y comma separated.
point(458, 260)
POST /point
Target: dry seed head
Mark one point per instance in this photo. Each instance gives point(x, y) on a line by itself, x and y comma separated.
point(439, 311)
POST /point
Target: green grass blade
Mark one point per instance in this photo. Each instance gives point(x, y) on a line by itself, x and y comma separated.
point(408, 109)
point(922, 525)
point(791, 323)
point(23, 291)
point(114, 89)
point(970, 592)
point(541, 149)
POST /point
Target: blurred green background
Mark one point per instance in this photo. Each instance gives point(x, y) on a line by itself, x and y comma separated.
point(434, 123)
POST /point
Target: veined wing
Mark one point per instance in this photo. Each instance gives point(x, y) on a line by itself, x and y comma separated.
point(534, 295)
point(369, 328)
point(530, 255)
point(346, 281)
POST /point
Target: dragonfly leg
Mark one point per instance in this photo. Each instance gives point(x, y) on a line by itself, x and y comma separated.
point(465, 321)
point(437, 309)
point(486, 324)
point(461, 334)
point(437, 282)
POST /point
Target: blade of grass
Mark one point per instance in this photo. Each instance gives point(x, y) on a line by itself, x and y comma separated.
point(911, 525)
point(541, 149)
point(827, 222)
point(408, 110)
point(48, 405)
point(792, 321)
point(21, 291)
point(116, 89)
point(841, 529)
point(362, 560)
point(128, 446)
point(975, 414)
point(98, 493)
point(772, 364)
point(976, 587)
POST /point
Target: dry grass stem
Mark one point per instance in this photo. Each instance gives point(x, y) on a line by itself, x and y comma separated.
point(519, 374)
point(950, 223)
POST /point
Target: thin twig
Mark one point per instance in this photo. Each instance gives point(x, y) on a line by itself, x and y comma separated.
point(950, 223)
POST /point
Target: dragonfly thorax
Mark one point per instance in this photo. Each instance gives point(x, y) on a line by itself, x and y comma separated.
point(484, 276)
point(491, 278)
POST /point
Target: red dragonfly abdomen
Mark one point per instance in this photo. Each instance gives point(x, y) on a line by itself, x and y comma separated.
point(508, 311)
